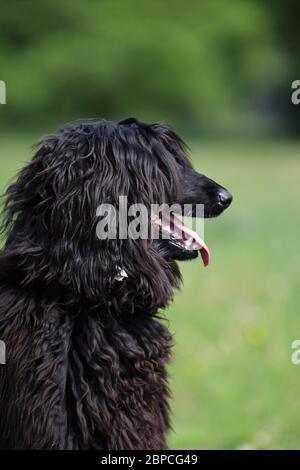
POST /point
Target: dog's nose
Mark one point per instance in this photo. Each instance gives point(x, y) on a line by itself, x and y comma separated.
point(225, 198)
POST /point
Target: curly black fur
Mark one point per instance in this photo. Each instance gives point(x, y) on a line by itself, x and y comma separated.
point(86, 354)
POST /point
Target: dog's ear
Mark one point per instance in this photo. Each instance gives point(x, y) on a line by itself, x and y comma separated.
point(50, 213)
point(128, 121)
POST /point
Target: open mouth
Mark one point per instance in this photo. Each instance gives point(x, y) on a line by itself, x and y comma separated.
point(182, 236)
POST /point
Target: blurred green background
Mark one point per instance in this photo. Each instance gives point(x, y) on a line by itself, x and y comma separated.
point(220, 73)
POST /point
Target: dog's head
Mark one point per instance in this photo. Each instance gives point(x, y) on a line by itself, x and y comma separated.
point(52, 212)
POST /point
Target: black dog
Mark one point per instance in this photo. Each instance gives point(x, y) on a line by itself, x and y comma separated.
point(86, 353)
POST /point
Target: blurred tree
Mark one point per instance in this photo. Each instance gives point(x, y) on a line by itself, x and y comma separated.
point(202, 66)
point(286, 17)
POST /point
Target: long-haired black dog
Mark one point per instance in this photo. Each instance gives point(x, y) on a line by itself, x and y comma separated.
point(86, 353)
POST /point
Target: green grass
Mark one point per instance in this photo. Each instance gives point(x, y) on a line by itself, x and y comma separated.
point(233, 382)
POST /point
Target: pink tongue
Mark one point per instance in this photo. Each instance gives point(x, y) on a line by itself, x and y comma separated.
point(188, 232)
